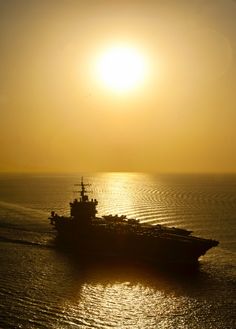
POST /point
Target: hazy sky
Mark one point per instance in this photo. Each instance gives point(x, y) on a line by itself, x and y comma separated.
point(55, 114)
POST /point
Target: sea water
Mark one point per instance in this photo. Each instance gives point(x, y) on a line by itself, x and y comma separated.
point(42, 287)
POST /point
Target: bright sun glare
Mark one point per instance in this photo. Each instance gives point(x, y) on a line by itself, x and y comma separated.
point(121, 68)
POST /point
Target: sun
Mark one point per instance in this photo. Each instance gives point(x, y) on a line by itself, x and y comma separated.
point(121, 68)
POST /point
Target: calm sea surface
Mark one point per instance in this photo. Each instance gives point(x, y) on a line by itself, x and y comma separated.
point(41, 287)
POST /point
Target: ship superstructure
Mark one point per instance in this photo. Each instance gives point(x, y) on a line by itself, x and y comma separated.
point(118, 236)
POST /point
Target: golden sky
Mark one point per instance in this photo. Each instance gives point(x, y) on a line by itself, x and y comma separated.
point(56, 114)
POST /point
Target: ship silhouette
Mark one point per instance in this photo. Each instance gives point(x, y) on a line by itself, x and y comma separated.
point(117, 237)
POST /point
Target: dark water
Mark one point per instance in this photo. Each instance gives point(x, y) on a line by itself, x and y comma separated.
point(41, 287)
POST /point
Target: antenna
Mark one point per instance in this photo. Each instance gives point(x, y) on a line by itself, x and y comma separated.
point(83, 191)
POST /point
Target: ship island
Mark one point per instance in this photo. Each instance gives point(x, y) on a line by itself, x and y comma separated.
point(117, 237)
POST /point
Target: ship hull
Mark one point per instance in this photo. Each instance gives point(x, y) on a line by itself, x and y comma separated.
point(164, 248)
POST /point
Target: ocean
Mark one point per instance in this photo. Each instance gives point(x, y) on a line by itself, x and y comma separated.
point(42, 287)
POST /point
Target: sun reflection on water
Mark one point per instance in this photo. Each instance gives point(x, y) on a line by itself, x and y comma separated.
point(128, 305)
point(120, 192)
point(106, 295)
